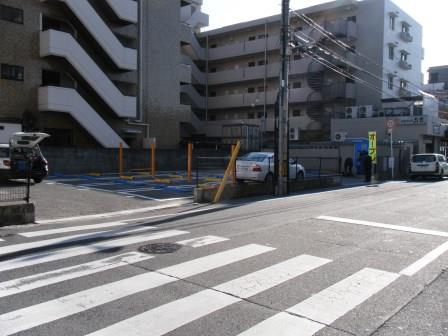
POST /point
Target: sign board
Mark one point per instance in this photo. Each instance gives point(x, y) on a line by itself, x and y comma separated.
point(372, 147)
point(390, 124)
point(416, 120)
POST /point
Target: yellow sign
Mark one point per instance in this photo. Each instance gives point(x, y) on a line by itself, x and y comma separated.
point(372, 146)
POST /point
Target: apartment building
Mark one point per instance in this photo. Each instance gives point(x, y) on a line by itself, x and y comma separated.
point(236, 69)
point(438, 86)
point(79, 70)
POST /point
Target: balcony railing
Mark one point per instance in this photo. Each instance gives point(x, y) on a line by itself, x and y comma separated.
point(403, 92)
point(406, 36)
point(342, 29)
point(405, 65)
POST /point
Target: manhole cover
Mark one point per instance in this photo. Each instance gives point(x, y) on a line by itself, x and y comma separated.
point(162, 248)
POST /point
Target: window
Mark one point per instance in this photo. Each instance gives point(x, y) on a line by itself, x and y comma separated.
point(260, 115)
point(351, 18)
point(296, 112)
point(251, 64)
point(297, 85)
point(262, 62)
point(405, 27)
point(251, 115)
point(213, 46)
point(403, 84)
point(213, 117)
point(391, 52)
point(263, 36)
point(390, 82)
point(404, 56)
point(297, 57)
point(433, 77)
point(11, 14)
point(12, 72)
point(213, 69)
point(392, 21)
point(260, 89)
point(251, 38)
point(251, 90)
point(213, 94)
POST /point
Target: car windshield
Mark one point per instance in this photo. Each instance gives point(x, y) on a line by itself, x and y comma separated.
point(256, 157)
point(4, 152)
point(424, 158)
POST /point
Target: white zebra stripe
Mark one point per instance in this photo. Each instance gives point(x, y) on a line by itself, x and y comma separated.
point(173, 315)
point(33, 316)
point(34, 281)
point(325, 307)
point(43, 257)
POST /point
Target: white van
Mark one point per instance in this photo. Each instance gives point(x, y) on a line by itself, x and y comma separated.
point(429, 164)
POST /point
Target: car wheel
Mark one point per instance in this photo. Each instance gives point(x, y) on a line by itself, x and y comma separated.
point(269, 178)
point(412, 177)
point(37, 179)
point(300, 176)
point(441, 175)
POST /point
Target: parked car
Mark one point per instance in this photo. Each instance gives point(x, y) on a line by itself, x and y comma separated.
point(429, 164)
point(5, 162)
point(19, 164)
point(259, 166)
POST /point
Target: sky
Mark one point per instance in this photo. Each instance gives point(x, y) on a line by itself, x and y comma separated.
point(431, 14)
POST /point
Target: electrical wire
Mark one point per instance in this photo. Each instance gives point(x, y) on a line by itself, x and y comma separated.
point(345, 46)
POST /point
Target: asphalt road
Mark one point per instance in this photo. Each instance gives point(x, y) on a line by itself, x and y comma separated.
point(367, 260)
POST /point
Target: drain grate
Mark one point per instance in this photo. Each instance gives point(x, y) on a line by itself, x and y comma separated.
point(161, 248)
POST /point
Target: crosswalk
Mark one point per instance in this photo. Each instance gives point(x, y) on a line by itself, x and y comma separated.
point(246, 270)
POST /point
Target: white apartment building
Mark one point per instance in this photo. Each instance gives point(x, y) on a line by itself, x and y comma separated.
point(236, 68)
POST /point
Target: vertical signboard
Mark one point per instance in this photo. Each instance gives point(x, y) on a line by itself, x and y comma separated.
point(372, 147)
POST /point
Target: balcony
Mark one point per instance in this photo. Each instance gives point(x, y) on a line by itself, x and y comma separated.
point(244, 48)
point(256, 99)
point(343, 29)
point(405, 65)
point(403, 92)
point(406, 37)
point(184, 73)
point(256, 73)
point(65, 100)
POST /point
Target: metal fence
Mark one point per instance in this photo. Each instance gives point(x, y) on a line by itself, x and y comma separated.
point(318, 167)
point(14, 191)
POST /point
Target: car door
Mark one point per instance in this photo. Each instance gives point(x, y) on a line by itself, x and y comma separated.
point(444, 164)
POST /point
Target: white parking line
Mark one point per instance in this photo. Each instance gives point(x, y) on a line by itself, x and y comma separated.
point(426, 260)
point(384, 226)
point(111, 214)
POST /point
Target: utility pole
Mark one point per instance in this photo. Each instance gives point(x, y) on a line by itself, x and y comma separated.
point(282, 142)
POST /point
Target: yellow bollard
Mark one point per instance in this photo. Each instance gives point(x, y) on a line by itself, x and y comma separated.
point(153, 160)
point(227, 173)
point(120, 159)
point(190, 161)
point(232, 149)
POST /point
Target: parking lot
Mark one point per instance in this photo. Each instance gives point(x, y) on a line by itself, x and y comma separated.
point(164, 187)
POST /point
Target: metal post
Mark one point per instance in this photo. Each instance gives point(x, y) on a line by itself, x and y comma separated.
point(197, 172)
point(392, 159)
point(283, 111)
point(190, 160)
point(28, 178)
point(153, 160)
point(232, 149)
point(120, 159)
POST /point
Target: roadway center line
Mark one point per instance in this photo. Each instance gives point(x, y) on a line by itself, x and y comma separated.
point(385, 226)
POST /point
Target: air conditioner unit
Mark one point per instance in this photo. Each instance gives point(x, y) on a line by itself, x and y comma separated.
point(365, 111)
point(294, 133)
point(351, 112)
point(339, 136)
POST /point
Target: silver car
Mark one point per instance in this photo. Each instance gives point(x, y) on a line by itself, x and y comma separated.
point(259, 166)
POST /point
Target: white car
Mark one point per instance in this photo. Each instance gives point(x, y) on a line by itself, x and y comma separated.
point(429, 164)
point(259, 166)
point(5, 162)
